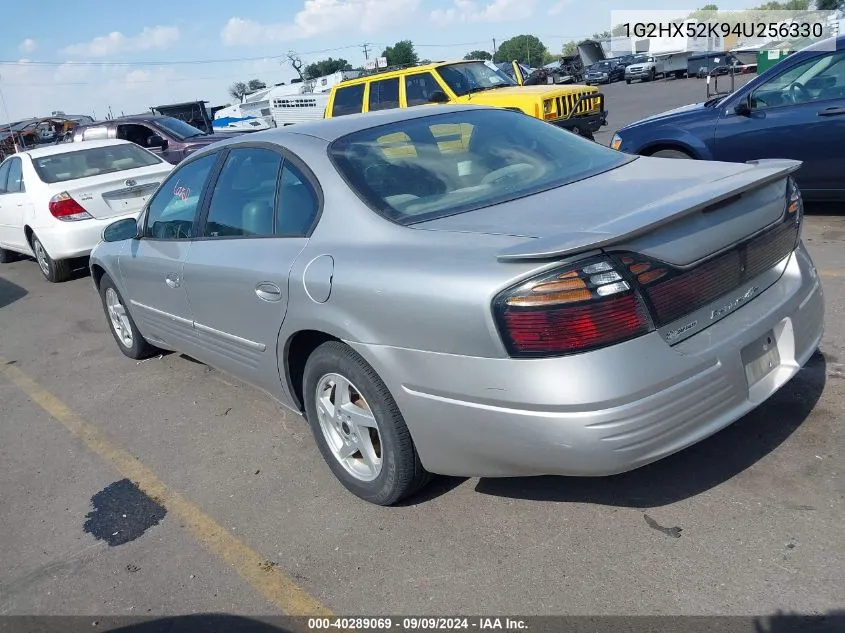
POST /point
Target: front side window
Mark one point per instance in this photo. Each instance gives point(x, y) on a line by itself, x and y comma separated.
point(15, 180)
point(434, 166)
point(4, 174)
point(96, 161)
point(243, 198)
point(816, 79)
point(469, 77)
point(348, 100)
point(172, 211)
point(384, 94)
point(419, 88)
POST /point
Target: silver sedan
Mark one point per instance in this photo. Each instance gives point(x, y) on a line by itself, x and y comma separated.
point(470, 291)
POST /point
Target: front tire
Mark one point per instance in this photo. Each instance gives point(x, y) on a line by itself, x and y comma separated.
point(54, 270)
point(628, 81)
point(358, 427)
point(129, 340)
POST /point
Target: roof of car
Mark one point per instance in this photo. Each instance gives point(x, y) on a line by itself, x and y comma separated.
point(64, 148)
point(335, 127)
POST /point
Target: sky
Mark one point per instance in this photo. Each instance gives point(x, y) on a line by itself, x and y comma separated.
point(102, 56)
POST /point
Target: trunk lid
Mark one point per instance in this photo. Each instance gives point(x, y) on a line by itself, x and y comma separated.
point(117, 193)
point(677, 211)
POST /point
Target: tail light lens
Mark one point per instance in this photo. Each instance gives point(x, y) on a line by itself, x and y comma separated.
point(609, 299)
point(66, 209)
point(579, 308)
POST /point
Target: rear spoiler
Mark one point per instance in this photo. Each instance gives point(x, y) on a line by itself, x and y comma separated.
point(649, 217)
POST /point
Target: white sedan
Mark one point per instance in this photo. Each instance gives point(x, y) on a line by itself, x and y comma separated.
point(55, 201)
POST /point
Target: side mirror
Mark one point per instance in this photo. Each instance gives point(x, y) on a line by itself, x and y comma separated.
point(156, 141)
point(125, 229)
point(438, 96)
point(743, 108)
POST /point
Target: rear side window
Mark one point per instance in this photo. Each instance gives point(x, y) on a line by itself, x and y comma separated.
point(245, 193)
point(15, 182)
point(298, 204)
point(384, 94)
point(348, 100)
point(419, 88)
point(92, 162)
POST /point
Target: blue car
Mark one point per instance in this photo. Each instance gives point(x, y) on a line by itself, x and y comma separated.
point(796, 109)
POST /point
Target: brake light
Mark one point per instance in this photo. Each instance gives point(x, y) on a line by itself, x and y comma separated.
point(582, 307)
point(66, 209)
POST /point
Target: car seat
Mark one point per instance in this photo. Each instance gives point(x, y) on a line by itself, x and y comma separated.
point(257, 218)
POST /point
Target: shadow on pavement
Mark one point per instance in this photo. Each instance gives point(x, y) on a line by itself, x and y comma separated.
point(10, 292)
point(695, 469)
point(204, 623)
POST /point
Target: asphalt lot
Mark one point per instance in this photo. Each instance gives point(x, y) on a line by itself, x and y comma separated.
point(240, 514)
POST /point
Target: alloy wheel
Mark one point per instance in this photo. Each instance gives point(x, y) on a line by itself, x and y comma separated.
point(119, 318)
point(349, 427)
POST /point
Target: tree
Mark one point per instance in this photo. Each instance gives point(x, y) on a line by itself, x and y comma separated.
point(709, 7)
point(238, 90)
point(325, 67)
point(255, 84)
point(478, 55)
point(570, 48)
point(830, 5)
point(400, 54)
point(526, 49)
point(604, 35)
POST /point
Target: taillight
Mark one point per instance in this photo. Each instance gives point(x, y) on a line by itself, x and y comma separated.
point(581, 307)
point(794, 204)
point(66, 209)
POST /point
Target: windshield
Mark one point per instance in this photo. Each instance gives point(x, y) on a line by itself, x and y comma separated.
point(93, 162)
point(470, 77)
point(179, 128)
point(434, 166)
point(640, 59)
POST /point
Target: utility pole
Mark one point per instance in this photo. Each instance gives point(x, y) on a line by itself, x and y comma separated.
point(366, 50)
point(494, 47)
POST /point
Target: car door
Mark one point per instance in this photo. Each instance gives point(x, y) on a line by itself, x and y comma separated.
point(798, 114)
point(260, 213)
point(152, 266)
point(15, 203)
point(6, 206)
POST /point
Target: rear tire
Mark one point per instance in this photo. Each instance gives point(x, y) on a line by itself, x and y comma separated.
point(628, 81)
point(54, 270)
point(121, 324)
point(348, 406)
point(671, 153)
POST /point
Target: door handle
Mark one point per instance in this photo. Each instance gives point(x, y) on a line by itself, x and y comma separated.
point(172, 280)
point(267, 291)
point(831, 111)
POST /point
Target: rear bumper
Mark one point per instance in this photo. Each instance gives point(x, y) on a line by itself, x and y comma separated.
point(607, 411)
point(66, 240)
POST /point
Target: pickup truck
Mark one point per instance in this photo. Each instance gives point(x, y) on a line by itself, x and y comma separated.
point(650, 67)
point(170, 138)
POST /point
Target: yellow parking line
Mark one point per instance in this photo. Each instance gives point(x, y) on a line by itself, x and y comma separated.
point(264, 577)
point(831, 273)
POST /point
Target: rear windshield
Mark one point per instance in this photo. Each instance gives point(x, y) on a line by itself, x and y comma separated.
point(434, 166)
point(92, 162)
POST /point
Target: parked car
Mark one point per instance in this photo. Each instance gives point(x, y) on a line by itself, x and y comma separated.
point(170, 138)
point(650, 67)
point(604, 72)
point(575, 107)
point(796, 109)
point(526, 302)
point(56, 200)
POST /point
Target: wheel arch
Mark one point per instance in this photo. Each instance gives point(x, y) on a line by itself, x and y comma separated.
point(295, 352)
point(680, 146)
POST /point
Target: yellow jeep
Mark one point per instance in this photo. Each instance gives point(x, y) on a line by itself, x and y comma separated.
point(574, 107)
